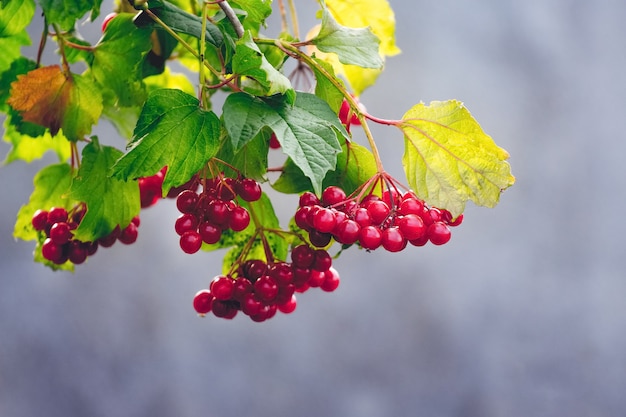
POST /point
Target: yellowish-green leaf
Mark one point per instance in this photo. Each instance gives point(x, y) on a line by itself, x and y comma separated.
point(28, 148)
point(449, 159)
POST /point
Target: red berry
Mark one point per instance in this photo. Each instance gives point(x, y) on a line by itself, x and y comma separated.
point(302, 256)
point(202, 302)
point(324, 220)
point(301, 276)
point(378, 210)
point(393, 240)
point(129, 234)
point(60, 233)
point(77, 252)
point(411, 206)
point(248, 189)
point(250, 304)
point(317, 278)
point(227, 189)
point(289, 306)
point(457, 221)
point(281, 273)
point(412, 226)
point(323, 261)
point(266, 288)
point(241, 287)
point(274, 143)
point(209, 232)
point(222, 287)
point(370, 237)
point(40, 220)
point(239, 219)
point(347, 232)
point(333, 195)
point(53, 252)
point(224, 309)
point(362, 217)
point(109, 240)
point(57, 215)
point(439, 233)
point(254, 269)
point(187, 201)
point(190, 241)
point(218, 212)
point(185, 222)
point(308, 199)
point(301, 218)
point(331, 280)
point(391, 197)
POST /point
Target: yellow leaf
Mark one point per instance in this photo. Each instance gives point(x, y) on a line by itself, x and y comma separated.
point(449, 159)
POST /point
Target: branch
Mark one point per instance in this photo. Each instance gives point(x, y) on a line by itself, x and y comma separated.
point(232, 16)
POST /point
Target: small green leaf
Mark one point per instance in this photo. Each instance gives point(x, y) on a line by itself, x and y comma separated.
point(180, 21)
point(449, 159)
point(257, 11)
point(352, 46)
point(52, 185)
point(308, 130)
point(110, 202)
point(250, 62)
point(118, 57)
point(66, 12)
point(355, 165)
point(15, 16)
point(27, 148)
point(172, 131)
point(83, 108)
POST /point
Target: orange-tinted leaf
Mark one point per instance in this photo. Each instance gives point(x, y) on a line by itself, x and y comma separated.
point(41, 96)
point(50, 98)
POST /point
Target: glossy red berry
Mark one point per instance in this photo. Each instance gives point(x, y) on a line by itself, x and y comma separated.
point(322, 261)
point(248, 189)
point(239, 219)
point(378, 210)
point(347, 232)
point(412, 226)
point(333, 195)
point(60, 233)
point(331, 280)
point(303, 256)
point(57, 215)
point(190, 242)
point(185, 222)
point(439, 233)
point(54, 252)
point(308, 199)
point(266, 288)
point(324, 220)
point(393, 240)
point(187, 201)
point(222, 287)
point(40, 220)
point(129, 234)
point(370, 237)
point(289, 306)
point(209, 233)
point(202, 302)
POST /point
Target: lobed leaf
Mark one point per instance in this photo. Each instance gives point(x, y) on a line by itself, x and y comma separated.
point(28, 148)
point(172, 131)
point(449, 159)
point(48, 97)
point(110, 201)
point(66, 12)
point(15, 16)
point(308, 130)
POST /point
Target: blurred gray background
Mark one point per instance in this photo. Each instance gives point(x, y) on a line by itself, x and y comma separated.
point(521, 314)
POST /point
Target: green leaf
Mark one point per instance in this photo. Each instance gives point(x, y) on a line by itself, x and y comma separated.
point(180, 21)
point(66, 12)
point(27, 148)
point(325, 89)
point(250, 62)
point(251, 160)
point(355, 165)
point(352, 46)
point(118, 57)
point(83, 109)
point(172, 131)
point(52, 186)
point(11, 47)
point(257, 11)
point(308, 130)
point(15, 16)
point(448, 159)
point(110, 202)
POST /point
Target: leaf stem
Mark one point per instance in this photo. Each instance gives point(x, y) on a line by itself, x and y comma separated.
point(294, 19)
point(283, 17)
point(42, 42)
point(201, 59)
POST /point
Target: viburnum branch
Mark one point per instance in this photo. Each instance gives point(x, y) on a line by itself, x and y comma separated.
point(61, 42)
point(283, 16)
point(201, 59)
point(42, 42)
point(232, 17)
point(294, 19)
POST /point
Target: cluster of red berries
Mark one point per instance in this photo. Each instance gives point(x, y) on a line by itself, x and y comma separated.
point(259, 289)
point(60, 245)
point(207, 214)
point(392, 221)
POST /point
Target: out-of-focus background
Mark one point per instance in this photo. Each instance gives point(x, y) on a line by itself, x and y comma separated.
point(523, 313)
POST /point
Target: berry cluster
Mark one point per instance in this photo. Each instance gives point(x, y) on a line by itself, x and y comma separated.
point(60, 245)
point(259, 289)
point(391, 221)
point(205, 215)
